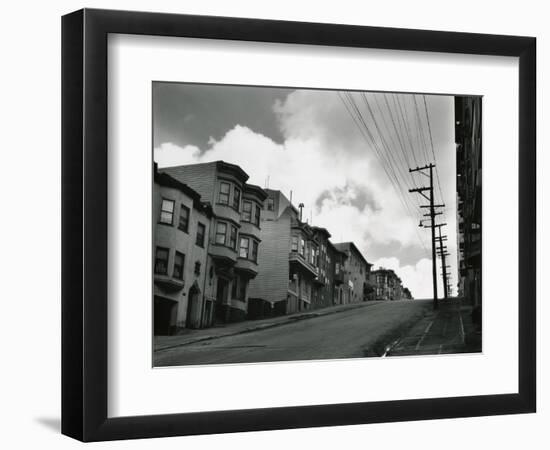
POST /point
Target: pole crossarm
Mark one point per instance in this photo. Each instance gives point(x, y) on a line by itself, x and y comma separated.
point(431, 215)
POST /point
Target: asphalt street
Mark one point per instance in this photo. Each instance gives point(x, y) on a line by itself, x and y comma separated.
point(345, 334)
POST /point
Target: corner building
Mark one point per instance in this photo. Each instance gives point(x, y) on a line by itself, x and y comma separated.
point(181, 223)
point(234, 238)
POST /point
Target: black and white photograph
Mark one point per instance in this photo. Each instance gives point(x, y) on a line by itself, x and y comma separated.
point(309, 224)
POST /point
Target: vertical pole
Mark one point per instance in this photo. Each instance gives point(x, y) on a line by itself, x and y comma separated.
point(443, 265)
point(432, 215)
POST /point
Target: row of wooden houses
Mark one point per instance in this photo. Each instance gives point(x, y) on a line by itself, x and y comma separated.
point(225, 250)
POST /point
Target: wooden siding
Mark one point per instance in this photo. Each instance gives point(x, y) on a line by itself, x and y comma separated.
point(271, 283)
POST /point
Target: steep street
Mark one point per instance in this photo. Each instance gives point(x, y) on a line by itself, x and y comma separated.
point(349, 333)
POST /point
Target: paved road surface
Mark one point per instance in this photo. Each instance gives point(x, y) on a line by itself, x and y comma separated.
point(345, 334)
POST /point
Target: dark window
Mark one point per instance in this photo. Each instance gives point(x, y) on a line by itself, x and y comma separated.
point(233, 238)
point(243, 247)
point(238, 290)
point(197, 268)
point(294, 246)
point(270, 204)
point(247, 211)
point(225, 188)
point(161, 260)
point(184, 219)
point(257, 216)
point(237, 198)
point(201, 229)
point(221, 231)
point(254, 256)
point(167, 211)
point(179, 260)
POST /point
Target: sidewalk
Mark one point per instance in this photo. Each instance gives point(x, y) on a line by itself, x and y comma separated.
point(448, 330)
point(247, 326)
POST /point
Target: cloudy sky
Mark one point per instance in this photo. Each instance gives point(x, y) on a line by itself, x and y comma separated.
point(345, 155)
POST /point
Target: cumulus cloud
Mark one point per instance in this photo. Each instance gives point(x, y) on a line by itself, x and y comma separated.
point(324, 162)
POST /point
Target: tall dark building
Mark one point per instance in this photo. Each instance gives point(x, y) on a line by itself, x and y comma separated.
point(468, 187)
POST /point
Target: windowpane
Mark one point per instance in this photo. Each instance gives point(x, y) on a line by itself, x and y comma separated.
point(270, 204)
point(221, 231)
point(257, 216)
point(247, 211)
point(243, 247)
point(294, 246)
point(179, 260)
point(167, 211)
point(161, 260)
point(237, 199)
point(233, 237)
point(254, 256)
point(302, 247)
point(200, 234)
point(184, 219)
point(224, 193)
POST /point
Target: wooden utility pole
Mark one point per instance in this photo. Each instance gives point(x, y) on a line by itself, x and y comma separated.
point(431, 215)
point(443, 253)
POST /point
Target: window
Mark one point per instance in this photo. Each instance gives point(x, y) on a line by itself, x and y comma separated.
point(237, 198)
point(244, 247)
point(179, 260)
point(238, 290)
point(197, 268)
point(254, 256)
point(270, 204)
point(201, 230)
point(302, 247)
point(257, 216)
point(161, 260)
point(225, 188)
point(246, 216)
point(337, 269)
point(294, 246)
point(167, 211)
point(221, 230)
point(233, 238)
point(184, 219)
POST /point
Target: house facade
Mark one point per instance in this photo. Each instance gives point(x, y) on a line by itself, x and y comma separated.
point(181, 223)
point(388, 286)
point(234, 237)
point(289, 280)
point(357, 270)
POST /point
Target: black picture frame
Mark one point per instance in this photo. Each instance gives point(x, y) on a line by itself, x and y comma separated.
point(84, 224)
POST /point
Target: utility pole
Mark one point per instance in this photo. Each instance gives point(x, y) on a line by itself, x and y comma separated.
point(443, 253)
point(431, 215)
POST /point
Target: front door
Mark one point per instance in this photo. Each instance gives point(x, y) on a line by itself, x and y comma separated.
point(221, 296)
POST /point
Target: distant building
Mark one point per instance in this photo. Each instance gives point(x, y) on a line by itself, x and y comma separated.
point(357, 270)
point(234, 235)
point(181, 223)
point(388, 286)
point(468, 187)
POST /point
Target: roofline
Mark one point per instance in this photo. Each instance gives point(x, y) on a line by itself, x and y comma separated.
point(352, 245)
point(165, 180)
point(256, 190)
